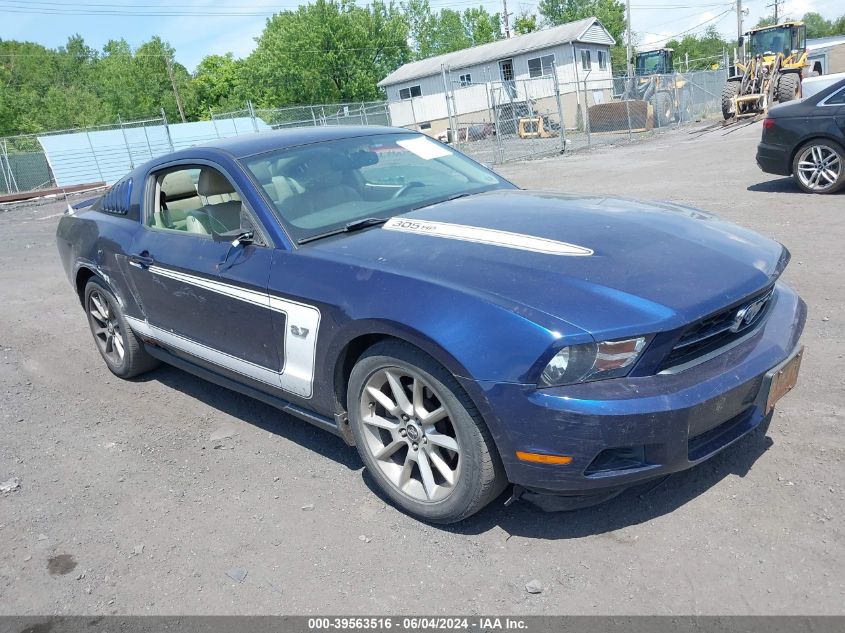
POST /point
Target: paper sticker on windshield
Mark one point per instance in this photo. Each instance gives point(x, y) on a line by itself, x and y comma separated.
point(492, 237)
point(424, 147)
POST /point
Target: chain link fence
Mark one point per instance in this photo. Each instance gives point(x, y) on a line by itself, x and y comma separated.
point(105, 153)
point(494, 122)
point(500, 121)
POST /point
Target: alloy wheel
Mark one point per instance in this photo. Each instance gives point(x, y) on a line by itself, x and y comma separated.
point(106, 328)
point(819, 167)
point(408, 431)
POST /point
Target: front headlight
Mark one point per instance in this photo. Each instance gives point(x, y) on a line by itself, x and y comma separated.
point(592, 361)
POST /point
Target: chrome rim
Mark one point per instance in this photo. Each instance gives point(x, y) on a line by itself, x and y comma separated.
point(819, 167)
point(106, 328)
point(409, 432)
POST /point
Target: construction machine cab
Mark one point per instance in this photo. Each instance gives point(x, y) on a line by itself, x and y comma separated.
point(656, 62)
point(788, 39)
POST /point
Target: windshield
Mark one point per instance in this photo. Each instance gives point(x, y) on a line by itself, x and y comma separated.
point(771, 42)
point(325, 186)
point(651, 63)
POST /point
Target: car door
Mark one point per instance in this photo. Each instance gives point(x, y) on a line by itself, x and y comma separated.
point(205, 299)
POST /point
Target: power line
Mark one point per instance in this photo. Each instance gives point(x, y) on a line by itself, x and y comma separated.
point(718, 17)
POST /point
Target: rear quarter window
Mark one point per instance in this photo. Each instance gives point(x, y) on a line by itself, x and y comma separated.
point(116, 199)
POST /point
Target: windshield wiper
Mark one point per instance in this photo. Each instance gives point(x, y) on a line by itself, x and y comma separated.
point(349, 227)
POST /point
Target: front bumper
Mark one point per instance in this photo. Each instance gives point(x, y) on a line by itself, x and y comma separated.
point(656, 425)
point(774, 159)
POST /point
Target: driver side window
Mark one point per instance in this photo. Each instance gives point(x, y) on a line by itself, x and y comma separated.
point(197, 200)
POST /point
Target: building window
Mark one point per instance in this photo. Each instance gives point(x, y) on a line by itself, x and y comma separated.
point(602, 60)
point(408, 93)
point(466, 80)
point(586, 62)
point(540, 66)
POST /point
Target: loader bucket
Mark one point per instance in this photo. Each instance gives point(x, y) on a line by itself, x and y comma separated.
point(620, 116)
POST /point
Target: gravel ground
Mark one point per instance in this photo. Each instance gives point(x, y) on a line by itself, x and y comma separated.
point(127, 505)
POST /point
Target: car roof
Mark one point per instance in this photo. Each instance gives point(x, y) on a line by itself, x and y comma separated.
point(814, 85)
point(258, 143)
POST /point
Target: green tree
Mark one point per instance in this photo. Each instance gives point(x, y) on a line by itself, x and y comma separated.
point(817, 26)
point(703, 50)
point(216, 85)
point(611, 13)
point(332, 50)
point(482, 26)
point(525, 22)
point(448, 30)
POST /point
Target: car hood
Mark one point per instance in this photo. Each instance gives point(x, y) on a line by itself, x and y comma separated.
point(605, 265)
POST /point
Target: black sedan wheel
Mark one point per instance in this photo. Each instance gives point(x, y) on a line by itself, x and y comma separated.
point(819, 166)
point(420, 436)
point(123, 352)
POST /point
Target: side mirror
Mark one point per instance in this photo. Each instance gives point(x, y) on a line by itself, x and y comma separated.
point(235, 237)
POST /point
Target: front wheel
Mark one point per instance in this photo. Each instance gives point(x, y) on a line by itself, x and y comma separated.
point(420, 436)
point(663, 109)
point(789, 87)
point(819, 166)
point(729, 92)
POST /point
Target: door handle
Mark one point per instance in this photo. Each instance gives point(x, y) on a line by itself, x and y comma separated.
point(141, 260)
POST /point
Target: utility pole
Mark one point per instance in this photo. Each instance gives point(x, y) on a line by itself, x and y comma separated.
point(628, 52)
point(776, 6)
point(739, 29)
point(506, 19)
point(169, 63)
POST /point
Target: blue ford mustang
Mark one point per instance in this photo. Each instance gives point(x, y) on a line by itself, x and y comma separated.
point(460, 332)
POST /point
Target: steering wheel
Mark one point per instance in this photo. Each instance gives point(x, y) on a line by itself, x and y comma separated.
point(405, 188)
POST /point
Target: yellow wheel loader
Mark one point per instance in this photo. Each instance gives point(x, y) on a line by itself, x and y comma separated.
point(656, 82)
point(772, 73)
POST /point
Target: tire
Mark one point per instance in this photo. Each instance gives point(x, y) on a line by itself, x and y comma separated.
point(663, 109)
point(120, 348)
point(730, 90)
point(397, 452)
point(807, 166)
point(788, 88)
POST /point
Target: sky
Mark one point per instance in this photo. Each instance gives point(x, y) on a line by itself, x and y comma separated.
point(196, 28)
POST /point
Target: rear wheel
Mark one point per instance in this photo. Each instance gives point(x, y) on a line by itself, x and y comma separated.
point(789, 87)
point(819, 166)
point(123, 352)
point(420, 436)
point(730, 91)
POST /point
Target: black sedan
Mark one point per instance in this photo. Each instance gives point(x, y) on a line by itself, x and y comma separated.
point(806, 139)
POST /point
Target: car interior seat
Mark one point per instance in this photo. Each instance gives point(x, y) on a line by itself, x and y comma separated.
point(322, 179)
point(218, 217)
point(178, 198)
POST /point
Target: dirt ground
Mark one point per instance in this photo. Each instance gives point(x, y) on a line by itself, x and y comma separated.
point(127, 505)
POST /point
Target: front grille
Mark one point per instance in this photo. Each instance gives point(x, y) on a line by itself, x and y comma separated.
point(719, 329)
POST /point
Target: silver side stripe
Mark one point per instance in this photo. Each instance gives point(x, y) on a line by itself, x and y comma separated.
point(298, 364)
point(492, 237)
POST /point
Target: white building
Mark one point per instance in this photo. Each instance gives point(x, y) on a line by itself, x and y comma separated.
point(530, 67)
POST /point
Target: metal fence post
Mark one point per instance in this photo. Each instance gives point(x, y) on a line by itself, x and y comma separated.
point(364, 114)
point(213, 122)
point(562, 123)
point(313, 116)
point(6, 177)
point(126, 142)
point(587, 113)
point(167, 129)
point(252, 115)
point(94, 155)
